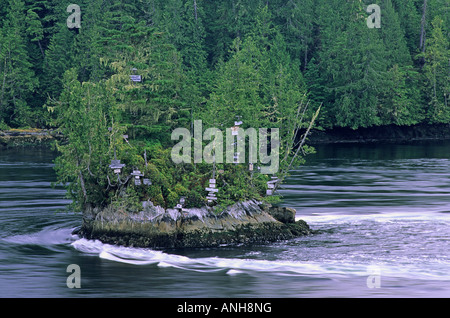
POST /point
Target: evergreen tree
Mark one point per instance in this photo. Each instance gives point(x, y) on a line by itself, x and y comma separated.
point(297, 18)
point(282, 86)
point(352, 66)
point(409, 18)
point(183, 24)
point(400, 101)
point(84, 113)
point(17, 79)
point(227, 20)
point(363, 76)
point(59, 57)
point(36, 55)
point(393, 36)
point(437, 73)
point(237, 89)
point(35, 29)
point(156, 103)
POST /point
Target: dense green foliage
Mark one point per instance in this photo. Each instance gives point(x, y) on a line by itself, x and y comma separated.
point(363, 76)
point(212, 60)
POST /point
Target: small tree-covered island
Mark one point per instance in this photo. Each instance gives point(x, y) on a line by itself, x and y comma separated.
point(181, 119)
point(149, 169)
point(151, 162)
point(136, 187)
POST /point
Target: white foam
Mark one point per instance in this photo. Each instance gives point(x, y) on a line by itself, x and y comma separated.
point(235, 266)
point(376, 217)
point(139, 256)
point(164, 264)
point(130, 255)
point(233, 272)
point(111, 257)
point(47, 236)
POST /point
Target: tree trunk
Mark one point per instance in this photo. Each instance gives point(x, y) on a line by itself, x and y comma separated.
point(2, 102)
point(195, 10)
point(83, 187)
point(82, 184)
point(306, 57)
point(422, 31)
point(434, 81)
point(42, 50)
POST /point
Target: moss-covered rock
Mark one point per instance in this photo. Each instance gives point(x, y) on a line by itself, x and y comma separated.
point(242, 223)
point(283, 214)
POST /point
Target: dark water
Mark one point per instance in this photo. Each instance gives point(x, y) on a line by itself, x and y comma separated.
point(384, 213)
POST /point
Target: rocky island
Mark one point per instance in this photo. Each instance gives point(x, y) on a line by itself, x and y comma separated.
point(249, 222)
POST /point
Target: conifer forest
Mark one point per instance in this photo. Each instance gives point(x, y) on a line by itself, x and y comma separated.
point(100, 70)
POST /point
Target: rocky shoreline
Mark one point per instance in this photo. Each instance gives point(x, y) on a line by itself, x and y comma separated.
point(381, 134)
point(369, 135)
point(249, 222)
point(27, 137)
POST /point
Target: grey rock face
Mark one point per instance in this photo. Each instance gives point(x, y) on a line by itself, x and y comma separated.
point(247, 222)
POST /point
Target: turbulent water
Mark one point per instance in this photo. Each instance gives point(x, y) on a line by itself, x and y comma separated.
point(383, 215)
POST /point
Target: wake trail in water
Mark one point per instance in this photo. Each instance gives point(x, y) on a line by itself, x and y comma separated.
point(238, 266)
point(51, 235)
point(419, 215)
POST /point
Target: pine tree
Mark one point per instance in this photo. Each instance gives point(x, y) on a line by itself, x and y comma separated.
point(87, 48)
point(351, 64)
point(237, 89)
point(35, 29)
point(156, 104)
point(36, 54)
point(183, 24)
point(297, 18)
point(84, 111)
point(17, 79)
point(219, 37)
point(409, 17)
point(393, 36)
point(225, 21)
point(437, 73)
point(282, 86)
point(59, 57)
point(400, 101)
